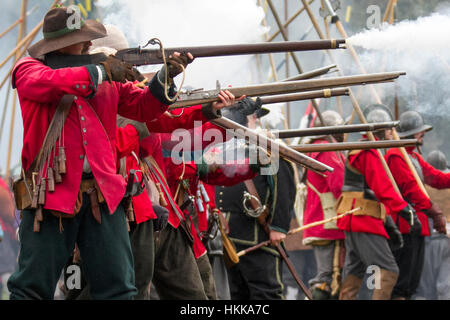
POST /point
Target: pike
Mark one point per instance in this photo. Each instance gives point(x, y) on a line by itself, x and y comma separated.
point(358, 145)
point(307, 132)
point(288, 153)
point(139, 56)
point(196, 96)
point(316, 94)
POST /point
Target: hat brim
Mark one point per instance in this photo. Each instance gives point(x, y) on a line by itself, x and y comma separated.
point(408, 133)
point(91, 30)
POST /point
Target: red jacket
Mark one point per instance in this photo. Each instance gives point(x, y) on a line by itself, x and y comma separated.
point(332, 183)
point(368, 163)
point(90, 128)
point(128, 140)
point(409, 187)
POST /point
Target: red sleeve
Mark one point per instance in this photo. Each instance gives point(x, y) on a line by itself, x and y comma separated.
point(369, 164)
point(407, 183)
point(38, 82)
point(335, 179)
point(127, 140)
point(230, 174)
point(177, 119)
point(433, 177)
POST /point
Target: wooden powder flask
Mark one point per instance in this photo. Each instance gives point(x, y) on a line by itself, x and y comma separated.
point(39, 214)
point(42, 187)
point(162, 199)
point(62, 160)
point(50, 180)
point(56, 174)
point(34, 200)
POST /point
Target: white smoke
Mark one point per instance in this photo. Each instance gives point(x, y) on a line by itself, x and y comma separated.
point(422, 49)
point(193, 23)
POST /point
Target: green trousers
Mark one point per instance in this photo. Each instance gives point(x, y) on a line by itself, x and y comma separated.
point(105, 249)
point(176, 275)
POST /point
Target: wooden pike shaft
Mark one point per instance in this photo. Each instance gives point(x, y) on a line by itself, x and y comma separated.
point(288, 22)
point(318, 223)
point(409, 163)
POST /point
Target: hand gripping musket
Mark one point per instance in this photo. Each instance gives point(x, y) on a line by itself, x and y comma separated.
point(197, 96)
point(319, 131)
point(139, 56)
point(357, 145)
point(284, 151)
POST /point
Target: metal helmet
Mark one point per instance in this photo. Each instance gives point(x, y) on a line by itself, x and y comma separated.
point(437, 159)
point(411, 122)
point(331, 118)
point(376, 113)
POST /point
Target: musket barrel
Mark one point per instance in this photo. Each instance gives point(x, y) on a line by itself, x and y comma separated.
point(138, 56)
point(341, 146)
point(288, 153)
point(307, 132)
point(285, 87)
point(326, 93)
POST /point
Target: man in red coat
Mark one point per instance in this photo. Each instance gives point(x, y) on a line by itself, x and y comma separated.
point(367, 185)
point(322, 193)
point(410, 257)
point(90, 190)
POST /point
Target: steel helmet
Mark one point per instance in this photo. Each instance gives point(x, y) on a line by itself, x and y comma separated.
point(437, 159)
point(411, 122)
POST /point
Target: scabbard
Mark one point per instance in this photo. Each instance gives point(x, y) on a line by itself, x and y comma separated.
point(291, 268)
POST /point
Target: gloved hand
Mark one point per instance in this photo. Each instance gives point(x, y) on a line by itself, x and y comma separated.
point(395, 237)
point(141, 127)
point(249, 106)
point(117, 70)
point(435, 213)
point(409, 214)
point(175, 63)
point(162, 218)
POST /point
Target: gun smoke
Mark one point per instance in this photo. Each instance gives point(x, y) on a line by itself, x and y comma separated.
point(421, 48)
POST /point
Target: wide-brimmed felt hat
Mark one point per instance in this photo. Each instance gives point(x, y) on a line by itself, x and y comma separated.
point(64, 27)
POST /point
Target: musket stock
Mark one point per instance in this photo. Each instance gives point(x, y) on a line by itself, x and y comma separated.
point(288, 153)
point(318, 131)
point(363, 145)
point(195, 97)
point(139, 56)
